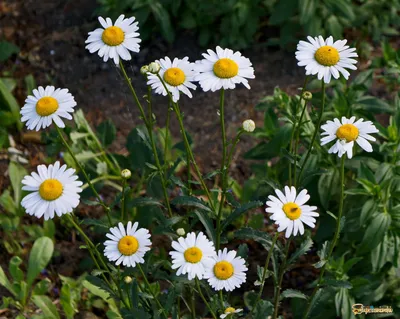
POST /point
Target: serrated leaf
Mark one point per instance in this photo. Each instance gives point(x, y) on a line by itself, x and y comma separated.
point(375, 232)
point(192, 202)
point(257, 235)
point(323, 254)
point(338, 283)
point(207, 223)
point(145, 201)
point(291, 293)
point(94, 222)
point(305, 246)
point(239, 211)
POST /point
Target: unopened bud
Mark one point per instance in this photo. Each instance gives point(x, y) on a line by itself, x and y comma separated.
point(126, 173)
point(154, 67)
point(307, 95)
point(249, 126)
point(128, 279)
point(180, 232)
point(144, 69)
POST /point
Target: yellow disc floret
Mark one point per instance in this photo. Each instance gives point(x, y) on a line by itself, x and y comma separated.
point(113, 36)
point(327, 55)
point(128, 245)
point(348, 132)
point(174, 76)
point(193, 255)
point(50, 189)
point(292, 210)
point(223, 270)
point(225, 68)
point(46, 106)
point(230, 310)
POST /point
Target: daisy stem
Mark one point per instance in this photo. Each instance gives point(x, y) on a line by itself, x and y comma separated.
point(278, 287)
point(221, 299)
point(335, 238)
point(293, 131)
point(149, 126)
point(166, 140)
point(204, 299)
point(151, 291)
point(317, 127)
point(296, 144)
point(265, 270)
point(106, 208)
point(123, 200)
point(224, 167)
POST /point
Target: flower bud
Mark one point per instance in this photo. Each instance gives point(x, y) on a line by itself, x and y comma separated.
point(144, 69)
point(180, 232)
point(154, 67)
point(126, 173)
point(128, 279)
point(249, 126)
point(307, 95)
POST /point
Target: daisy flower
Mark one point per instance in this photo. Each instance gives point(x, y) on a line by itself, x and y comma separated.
point(289, 211)
point(191, 254)
point(55, 190)
point(226, 271)
point(115, 41)
point(230, 311)
point(223, 69)
point(178, 76)
point(47, 105)
point(345, 133)
point(326, 58)
point(127, 247)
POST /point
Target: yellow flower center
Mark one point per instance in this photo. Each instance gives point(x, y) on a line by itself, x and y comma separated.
point(292, 210)
point(46, 106)
point(128, 245)
point(174, 76)
point(230, 310)
point(193, 255)
point(113, 36)
point(50, 189)
point(327, 55)
point(225, 68)
point(348, 132)
point(223, 270)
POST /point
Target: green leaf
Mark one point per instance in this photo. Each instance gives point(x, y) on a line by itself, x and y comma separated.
point(48, 308)
point(8, 100)
point(257, 235)
point(344, 303)
point(67, 302)
point(192, 202)
point(17, 173)
point(30, 84)
point(239, 211)
point(263, 310)
point(323, 254)
point(291, 293)
point(305, 246)
point(207, 223)
point(375, 232)
point(7, 202)
point(367, 211)
point(15, 271)
point(350, 263)
point(7, 49)
point(135, 294)
point(5, 282)
point(338, 283)
point(145, 201)
point(307, 10)
point(327, 186)
point(282, 11)
point(94, 222)
point(373, 104)
point(39, 257)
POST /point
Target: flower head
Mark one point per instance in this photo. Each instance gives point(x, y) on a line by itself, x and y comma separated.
point(180, 232)
point(47, 105)
point(191, 255)
point(114, 41)
point(289, 211)
point(326, 58)
point(177, 75)
point(127, 246)
point(345, 133)
point(230, 311)
point(144, 69)
point(223, 69)
point(55, 190)
point(249, 126)
point(154, 67)
point(126, 173)
point(226, 271)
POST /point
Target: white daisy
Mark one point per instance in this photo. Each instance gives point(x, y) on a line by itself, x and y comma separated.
point(230, 311)
point(191, 254)
point(55, 190)
point(178, 76)
point(289, 211)
point(345, 133)
point(326, 58)
point(226, 271)
point(47, 105)
point(115, 41)
point(223, 69)
point(127, 247)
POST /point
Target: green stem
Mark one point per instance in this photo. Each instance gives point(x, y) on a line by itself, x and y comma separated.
point(278, 287)
point(166, 140)
point(192, 303)
point(317, 127)
point(106, 208)
point(151, 291)
point(204, 299)
point(270, 252)
point(335, 237)
point(294, 127)
point(296, 145)
point(123, 200)
point(101, 178)
point(149, 126)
